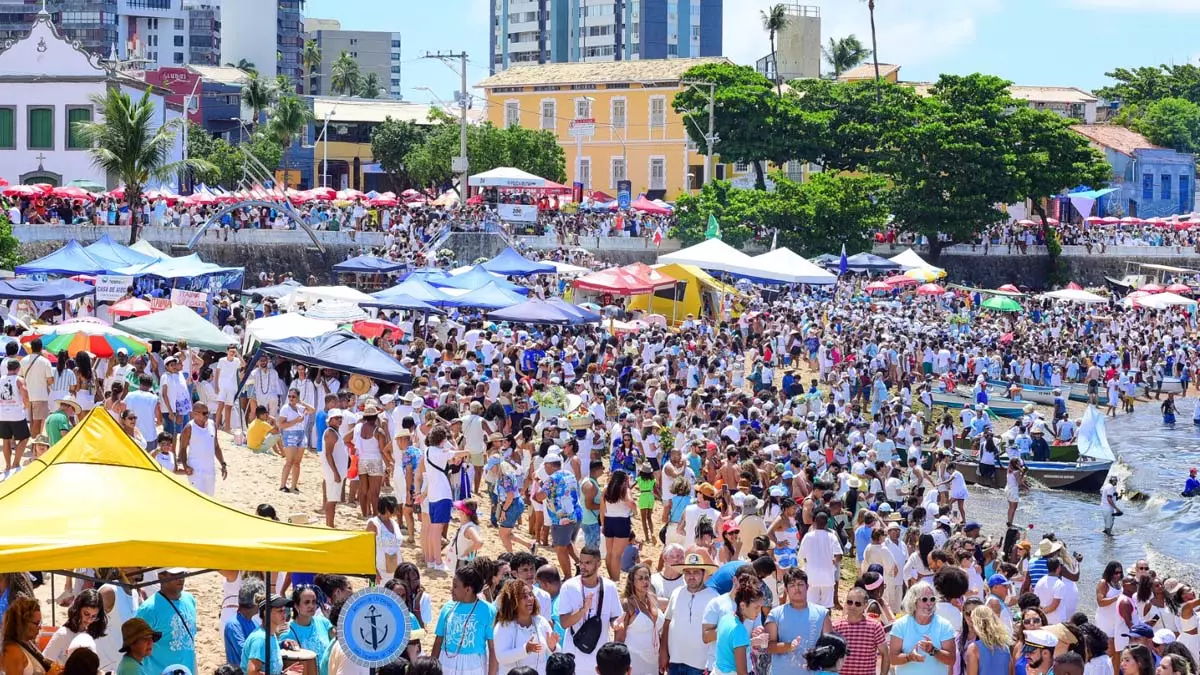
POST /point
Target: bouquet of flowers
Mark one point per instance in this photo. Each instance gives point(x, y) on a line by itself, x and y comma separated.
point(445, 255)
point(551, 401)
point(666, 441)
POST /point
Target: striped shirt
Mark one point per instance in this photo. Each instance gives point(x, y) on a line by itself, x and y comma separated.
point(863, 640)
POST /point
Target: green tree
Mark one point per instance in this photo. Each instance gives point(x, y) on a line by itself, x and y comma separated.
point(1171, 122)
point(257, 95)
point(311, 58)
point(369, 86)
point(284, 85)
point(131, 143)
point(244, 65)
point(225, 162)
point(1147, 84)
point(392, 140)
point(854, 121)
point(737, 210)
point(831, 209)
point(10, 246)
point(344, 75)
point(844, 54)
point(288, 120)
point(774, 18)
point(489, 147)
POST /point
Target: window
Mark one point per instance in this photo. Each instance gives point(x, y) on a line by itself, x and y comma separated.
point(1148, 186)
point(512, 114)
point(179, 58)
point(658, 112)
point(658, 173)
point(1166, 186)
point(74, 115)
point(395, 44)
point(549, 115)
point(583, 108)
point(618, 113)
point(41, 129)
point(695, 176)
point(178, 40)
point(8, 120)
point(1184, 184)
point(396, 69)
point(616, 172)
point(585, 172)
point(794, 171)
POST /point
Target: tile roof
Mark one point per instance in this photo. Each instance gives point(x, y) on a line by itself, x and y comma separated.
point(866, 71)
point(377, 110)
point(221, 74)
point(1051, 94)
point(650, 70)
point(1118, 138)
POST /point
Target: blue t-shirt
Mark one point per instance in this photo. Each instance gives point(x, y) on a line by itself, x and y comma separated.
point(320, 423)
point(731, 634)
point(1037, 570)
point(938, 630)
point(465, 628)
point(791, 623)
point(314, 637)
point(234, 633)
point(255, 648)
point(721, 581)
point(177, 644)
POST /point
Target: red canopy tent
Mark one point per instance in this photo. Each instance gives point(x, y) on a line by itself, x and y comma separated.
point(601, 196)
point(552, 188)
point(1074, 287)
point(621, 281)
point(650, 275)
point(646, 206)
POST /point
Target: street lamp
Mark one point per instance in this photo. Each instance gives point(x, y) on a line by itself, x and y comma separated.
point(325, 146)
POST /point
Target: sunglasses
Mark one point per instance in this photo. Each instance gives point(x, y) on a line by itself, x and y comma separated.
point(1034, 621)
point(928, 599)
point(856, 603)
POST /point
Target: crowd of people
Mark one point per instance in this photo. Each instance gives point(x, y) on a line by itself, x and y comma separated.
point(771, 492)
point(1025, 237)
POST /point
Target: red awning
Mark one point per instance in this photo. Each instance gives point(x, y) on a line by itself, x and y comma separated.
point(646, 206)
point(621, 281)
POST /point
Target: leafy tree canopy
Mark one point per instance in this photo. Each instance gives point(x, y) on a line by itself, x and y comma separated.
point(488, 147)
point(394, 139)
point(1172, 123)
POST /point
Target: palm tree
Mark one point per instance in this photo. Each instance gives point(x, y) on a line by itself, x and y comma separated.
point(284, 84)
point(131, 144)
point(311, 58)
point(257, 95)
point(774, 19)
point(344, 75)
point(369, 87)
point(844, 54)
point(288, 120)
point(245, 65)
point(875, 52)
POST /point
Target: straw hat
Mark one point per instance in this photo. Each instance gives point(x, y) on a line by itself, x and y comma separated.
point(695, 561)
point(359, 384)
point(1047, 547)
point(41, 439)
point(70, 401)
point(301, 519)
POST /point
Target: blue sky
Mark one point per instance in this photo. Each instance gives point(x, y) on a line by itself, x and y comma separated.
point(1031, 42)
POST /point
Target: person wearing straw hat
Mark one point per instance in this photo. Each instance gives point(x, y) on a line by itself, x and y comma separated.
point(59, 422)
point(137, 643)
point(684, 649)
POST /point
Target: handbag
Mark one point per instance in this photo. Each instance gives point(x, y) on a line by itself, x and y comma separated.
point(587, 636)
point(352, 471)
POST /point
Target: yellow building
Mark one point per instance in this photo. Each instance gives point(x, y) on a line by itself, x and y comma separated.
point(635, 134)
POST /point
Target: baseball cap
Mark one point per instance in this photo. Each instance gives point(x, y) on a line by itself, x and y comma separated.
point(1140, 630)
point(998, 580)
point(1163, 636)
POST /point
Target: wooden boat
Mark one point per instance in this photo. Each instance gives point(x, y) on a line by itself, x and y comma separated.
point(1058, 453)
point(1076, 476)
point(1030, 392)
point(1005, 409)
point(1079, 393)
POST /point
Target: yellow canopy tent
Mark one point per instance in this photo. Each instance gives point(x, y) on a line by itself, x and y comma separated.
point(687, 297)
point(97, 500)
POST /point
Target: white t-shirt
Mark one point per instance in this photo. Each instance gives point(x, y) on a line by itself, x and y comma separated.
point(473, 437)
point(685, 611)
point(818, 549)
point(436, 481)
point(570, 600)
point(691, 518)
point(36, 370)
point(664, 587)
point(1105, 492)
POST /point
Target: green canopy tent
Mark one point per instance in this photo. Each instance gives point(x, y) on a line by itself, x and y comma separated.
point(175, 324)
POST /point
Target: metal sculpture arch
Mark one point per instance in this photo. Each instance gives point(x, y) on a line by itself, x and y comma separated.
point(284, 206)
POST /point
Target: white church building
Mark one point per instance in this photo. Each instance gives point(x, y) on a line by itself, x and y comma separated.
point(46, 84)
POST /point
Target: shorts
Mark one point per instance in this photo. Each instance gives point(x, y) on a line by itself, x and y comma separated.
point(439, 511)
point(654, 463)
point(591, 535)
point(268, 443)
point(226, 395)
point(369, 467)
point(477, 458)
point(1012, 494)
point(333, 490)
point(205, 482)
point(564, 535)
point(617, 528)
point(14, 431)
point(39, 410)
point(170, 426)
point(512, 515)
point(294, 438)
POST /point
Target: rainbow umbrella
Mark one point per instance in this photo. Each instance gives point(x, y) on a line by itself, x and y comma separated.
point(99, 340)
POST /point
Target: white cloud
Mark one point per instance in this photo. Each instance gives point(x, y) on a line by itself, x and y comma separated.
point(906, 37)
point(1142, 6)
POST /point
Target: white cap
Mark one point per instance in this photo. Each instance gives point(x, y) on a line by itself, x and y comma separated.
point(553, 458)
point(1163, 636)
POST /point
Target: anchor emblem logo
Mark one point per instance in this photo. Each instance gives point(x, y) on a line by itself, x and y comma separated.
point(377, 635)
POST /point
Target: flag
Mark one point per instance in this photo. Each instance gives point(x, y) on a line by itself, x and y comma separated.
point(658, 237)
point(714, 228)
point(775, 239)
point(842, 264)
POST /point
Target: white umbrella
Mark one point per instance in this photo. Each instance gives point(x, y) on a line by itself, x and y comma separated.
point(1075, 295)
point(336, 311)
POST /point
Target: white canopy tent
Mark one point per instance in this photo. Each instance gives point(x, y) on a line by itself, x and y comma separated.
point(909, 260)
point(710, 254)
point(567, 268)
point(1158, 301)
point(288, 325)
point(506, 177)
point(1074, 295)
point(311, 294)
point(785, 262)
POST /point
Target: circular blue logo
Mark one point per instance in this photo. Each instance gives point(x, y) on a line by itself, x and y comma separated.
point(374, 627)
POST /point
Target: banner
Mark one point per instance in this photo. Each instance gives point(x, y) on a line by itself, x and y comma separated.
point(624, 194)
point(191, 299)
point(159, 304)
point(520, 213)
point(111, 286)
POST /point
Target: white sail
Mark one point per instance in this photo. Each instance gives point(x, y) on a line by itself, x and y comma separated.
point(1093, 441)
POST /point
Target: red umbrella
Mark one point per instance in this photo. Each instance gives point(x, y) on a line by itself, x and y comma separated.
point(322, 194)
point(1010, 288)
point(1074, 287)
point(900, 280)
point(46, 188)
point(1151, 288)
point(1179, 288)
point(118, 193)
point(878, 286)
point(473, 201)
point(1026, 222)
point(21, 191)
point(72, 192)
point(3, 182)
point(1127, 220)
point(1094, 220)
point(132, 307)
point(373, 328)
point(383, 201)
point(930, 289)
point(349, 195)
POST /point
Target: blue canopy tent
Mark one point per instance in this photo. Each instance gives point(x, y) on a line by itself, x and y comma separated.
point(427, 274)
point(490, 297)
point(68, 260)
point(116, 256)
point(368, 264)
point(869, 262)
point(535, 311)
point(402, 301)
point(513, 264)
point(827, 260)
point(187, 267)
point(342, 351)
point(585, 315)
point(476, 278)
point(410, 289)
point(44, 291)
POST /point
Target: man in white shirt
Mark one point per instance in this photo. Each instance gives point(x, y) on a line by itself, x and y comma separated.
point(227, 370)
point(39, 376)
point(700, 508)
point(1059, 595)
point(267, 387)
point(684, 619)
point(670, 578)
point(580, 600)
point(822, 552)
point(475, 441)
point(144, 403)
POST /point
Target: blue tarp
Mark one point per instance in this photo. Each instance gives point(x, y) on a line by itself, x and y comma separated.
point(537, 311)
point(342, 351)
point(402, 301)
point(1092, 194)
point(426, 274)
point(869, 262)
point(116, 256)
point(412, 288)
point(513, 264)
point(476, 278)
point(43, 291)
point(70, 259)
point(187, 267)
point(368, 264)
point(489, 297)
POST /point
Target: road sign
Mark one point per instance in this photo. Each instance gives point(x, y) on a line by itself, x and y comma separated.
point(374, 627)
point(459, 164)
point(583, 127)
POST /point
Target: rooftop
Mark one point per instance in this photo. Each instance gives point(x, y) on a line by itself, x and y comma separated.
point(376, 110)
point(866, 71)
point(1123, 140)
point(651, 70)
point(221, 74)
point(1022, 92)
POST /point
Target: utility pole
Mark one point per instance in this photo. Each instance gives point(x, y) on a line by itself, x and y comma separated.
point(710, 139)
point(459, 164)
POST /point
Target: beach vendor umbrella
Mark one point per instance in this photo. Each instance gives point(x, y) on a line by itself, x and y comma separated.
point(102, 341)
point(1151, 288)
point(590, 306)
point(999, 303)
point(373, 328)
point(335, 310)
point(72, 192)
point(131, 307)
point(21, 191)
point(3, 183)
point(877, 286)
point(1074, 287)
point(925, 275)
point(89, 185)
point(1026, 222)
point(901, 280)
point(930, 289)
point(1179, 288)
point(1009, 288)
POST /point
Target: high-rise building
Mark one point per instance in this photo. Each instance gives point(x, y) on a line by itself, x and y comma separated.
point(570, 31)
point(243, 26)
point(204, 32)
point(797, 46)
point(376, 52)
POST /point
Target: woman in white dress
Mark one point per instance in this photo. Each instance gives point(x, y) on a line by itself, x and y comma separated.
point(387, 537)
point(641, 623)
point(522, 637)
point(86, 615)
